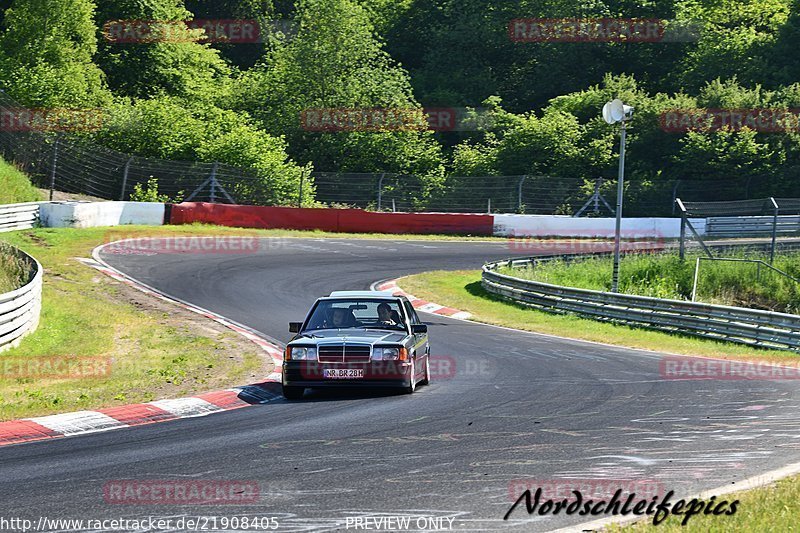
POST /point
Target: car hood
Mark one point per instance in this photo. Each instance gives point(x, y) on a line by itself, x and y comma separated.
point(354, 335)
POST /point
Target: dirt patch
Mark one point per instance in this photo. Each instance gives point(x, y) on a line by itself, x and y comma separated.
point(59, 196)
point(38, 241)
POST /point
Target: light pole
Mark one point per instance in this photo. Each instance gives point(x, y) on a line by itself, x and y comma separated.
point(616, 111)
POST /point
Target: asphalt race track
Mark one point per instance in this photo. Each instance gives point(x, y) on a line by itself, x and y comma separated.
point(517, 407)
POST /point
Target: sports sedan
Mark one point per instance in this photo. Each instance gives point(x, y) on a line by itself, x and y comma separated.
point(357, 338)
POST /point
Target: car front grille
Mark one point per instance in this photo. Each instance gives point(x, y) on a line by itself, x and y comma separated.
point(344, 353)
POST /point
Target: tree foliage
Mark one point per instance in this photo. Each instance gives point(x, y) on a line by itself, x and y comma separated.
point(242, 103)
point(46, 54)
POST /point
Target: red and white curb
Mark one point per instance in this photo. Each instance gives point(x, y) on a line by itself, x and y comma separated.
point(420, 304)
point(84, 422)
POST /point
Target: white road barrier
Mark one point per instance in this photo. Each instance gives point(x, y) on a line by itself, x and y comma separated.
point(93, 214)
point(19, 216)
point(19, 309)
point(566, 226)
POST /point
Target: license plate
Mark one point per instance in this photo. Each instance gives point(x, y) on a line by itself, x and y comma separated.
point(342, 373)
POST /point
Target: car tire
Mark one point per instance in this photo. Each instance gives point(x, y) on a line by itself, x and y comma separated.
point(427, 379)
point(293, 393)
point(412, 384)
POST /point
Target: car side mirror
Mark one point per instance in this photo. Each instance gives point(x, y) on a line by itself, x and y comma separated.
point(419, 328)
point(294, 327)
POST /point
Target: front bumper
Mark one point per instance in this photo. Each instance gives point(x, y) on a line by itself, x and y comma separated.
point(376, 374)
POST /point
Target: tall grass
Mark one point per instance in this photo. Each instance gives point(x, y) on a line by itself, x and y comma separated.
point(666, 276)
point(14, 271)
point(15, 187)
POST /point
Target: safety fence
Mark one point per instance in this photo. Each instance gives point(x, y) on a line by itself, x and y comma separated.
point(77, 164)
point(726, 323)
point(20, 308)
point(19, 216)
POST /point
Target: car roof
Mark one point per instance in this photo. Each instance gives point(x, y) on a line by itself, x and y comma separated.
point(363, 294)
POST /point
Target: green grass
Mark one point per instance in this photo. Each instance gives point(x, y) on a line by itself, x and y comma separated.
point(666, 276)
point(15, 187)
point(771, 509)
point(462, 290)
point(152, 354)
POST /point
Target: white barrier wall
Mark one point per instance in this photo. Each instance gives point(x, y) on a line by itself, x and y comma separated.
point(566, 226)
point(92, 214)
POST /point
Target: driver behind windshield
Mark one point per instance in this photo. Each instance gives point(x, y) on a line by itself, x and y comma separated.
point(385, 315)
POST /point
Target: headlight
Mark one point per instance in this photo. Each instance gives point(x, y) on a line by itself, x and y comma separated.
point(389, 354)
point(297, 353)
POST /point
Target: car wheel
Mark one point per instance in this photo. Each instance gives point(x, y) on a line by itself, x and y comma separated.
point(427, 379)
point(412, 384)
point(293, 393)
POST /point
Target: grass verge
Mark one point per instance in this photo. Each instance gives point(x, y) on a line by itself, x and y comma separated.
point(462, 290)
point(15, 187)
point(101, 343)
point(743, 284)
point(770, 509)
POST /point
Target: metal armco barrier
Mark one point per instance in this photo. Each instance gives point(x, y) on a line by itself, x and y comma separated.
point(19, 309)
point(19, 216)
point(747, 226)
point(733, 324)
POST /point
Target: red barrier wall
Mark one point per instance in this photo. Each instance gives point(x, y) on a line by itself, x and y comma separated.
point(335, 220)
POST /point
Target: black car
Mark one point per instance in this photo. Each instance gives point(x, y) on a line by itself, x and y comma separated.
point(357, 339)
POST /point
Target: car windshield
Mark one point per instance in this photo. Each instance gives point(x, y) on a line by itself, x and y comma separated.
point(351, 313)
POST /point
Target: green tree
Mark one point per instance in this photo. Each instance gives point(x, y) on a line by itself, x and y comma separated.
point(46, 54)
point(163, 127)
point(336, 61)
point(176, 66)
point(736, 40)
point(243, 55)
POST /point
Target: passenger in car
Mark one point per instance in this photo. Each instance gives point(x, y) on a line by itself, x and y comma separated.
point(343, 318)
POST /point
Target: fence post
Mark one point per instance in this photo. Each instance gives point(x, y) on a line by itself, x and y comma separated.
point(53, 169)
point(489, 207)
point(125, 179)
point(774, 230)
point(682, 252)
point(380, 190)
point(519, 194)
point(213, 180)
point(675, 195)
point(696, 275)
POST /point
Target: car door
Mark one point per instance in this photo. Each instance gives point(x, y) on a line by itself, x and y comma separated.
point(421, 346)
